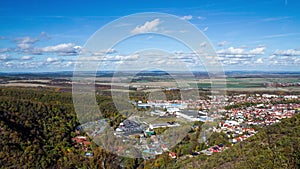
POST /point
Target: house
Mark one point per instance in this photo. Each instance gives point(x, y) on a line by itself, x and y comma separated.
point(79, 139)
point(143, 106)
point(149, 132)
point(172, 155)
point(214, 149)
point(88, 154)
point(206, 152)
point(164, 147)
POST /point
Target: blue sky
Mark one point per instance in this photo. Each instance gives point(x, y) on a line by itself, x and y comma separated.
point(247, 35)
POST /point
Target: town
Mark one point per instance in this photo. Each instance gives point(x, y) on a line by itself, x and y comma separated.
point(237, 117)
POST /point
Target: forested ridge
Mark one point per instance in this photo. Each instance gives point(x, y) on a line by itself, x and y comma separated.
point(36, 127)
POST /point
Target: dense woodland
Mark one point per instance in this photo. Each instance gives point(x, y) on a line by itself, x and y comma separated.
point(37, 125)
point(36, 128)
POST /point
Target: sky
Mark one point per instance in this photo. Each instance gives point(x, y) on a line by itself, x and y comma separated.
point(45, 36)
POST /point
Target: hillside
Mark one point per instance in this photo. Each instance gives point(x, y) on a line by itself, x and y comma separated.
point(37, 127)
point(276, 146)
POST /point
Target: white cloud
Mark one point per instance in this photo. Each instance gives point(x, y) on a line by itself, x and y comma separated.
point(52, 60)
point(201, 17)
point(26, 58)
point(103, 52)
point(258, 51)
point(271, 57)
point(232, 51)
point(205, 29)
point(64, 47)
point(26, 39)
point(4, 58)
point(281, 60)
point(223, 43)
point(24, 46)
point(288, 52)
point(61, 49)
point(259, 61)
point(187, 17)
point(111, 58)
point(241, 51)
point(25, 43)
point(4, 50)
point(9, 64)
point(69, 64)
point(240, 55)
point(132, 57)
point(203, 44)
point(149, 26)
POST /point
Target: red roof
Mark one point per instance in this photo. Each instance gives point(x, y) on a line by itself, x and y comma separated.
point(87, 143)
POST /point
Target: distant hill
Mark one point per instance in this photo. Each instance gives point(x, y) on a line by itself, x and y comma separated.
point(66, 74)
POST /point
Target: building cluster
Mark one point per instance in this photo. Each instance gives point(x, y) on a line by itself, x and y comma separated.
point(148, 143)
point(282, 84)
point(130, 127)
point(267, 110)
point(257, 98)
point(82, 143)
point(237, 121)
point(213, 149)
point(93, 128)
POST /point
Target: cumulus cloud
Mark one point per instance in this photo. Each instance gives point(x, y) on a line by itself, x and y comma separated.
point(186, 17)
point(232, 55)
point(149, 26)
point(104, 52)
point(26, 39)
point(64, 49)
point(52, 60)
point(69, 64)
point(241, 51)
point(259, 61)
point(4, 50)
point(132, 57)
point(4, 58)
point(258, 51)
point(231, 51)
point(24, 44)
point(26, 58)
point(284, 60)
point(288, 52)
point(110, 58)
